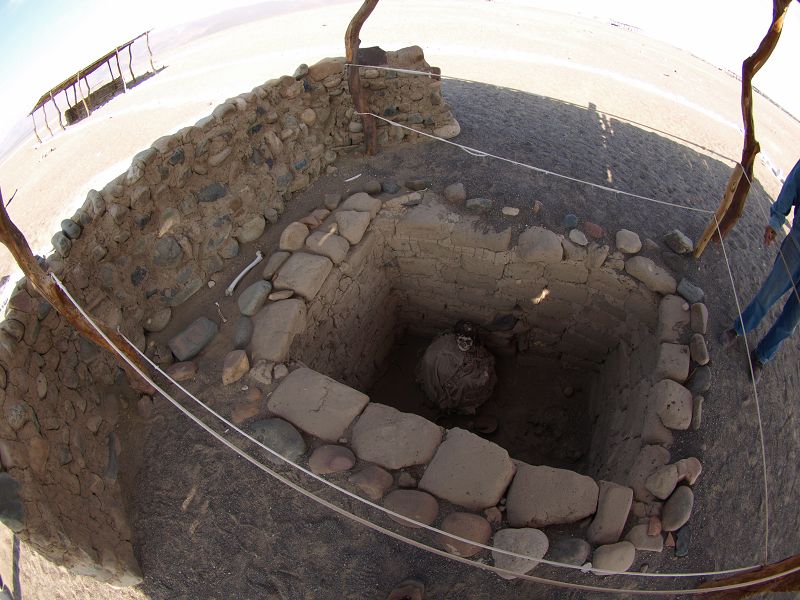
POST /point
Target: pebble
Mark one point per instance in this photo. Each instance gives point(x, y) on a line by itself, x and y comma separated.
point(593, 230)
point(683, 538)
point(697, 412)
point(526, 541)
point(418, 185)
point(253, 298)
point(510, 211)
point(493, 515)
point(690, 291)
point(308, 116)
point(280, 371)
point(281, 295)
point(182, 371)
point(700, 382)
point(628, 242)
point(331, 458)
point(570, 221)
point(455, 193)
point(261, 371)
point(699, 318)
point(698, 349)
point(576, 236)
point(654, 526)
point(242, 332)
point(280, 436)
point(689, 469)
point(390, 187)
point(158, 320)
point(301, 71)
point(235, 365)
point(642, 539)
point(373, 186)
point(569, 550)
point(61, 243)
point(18, 414)
point(71, 229)
point(479, 205)
point(677, 509)
point(406, 480)
point(373, 481)
point(332, 201)
point(662, 482)
point(191, 341)
point(614, 557)
point(466, 525)
point(651, 245)
point(537, 207)
point(678, 242)
point(597, 255)
point(416, 505)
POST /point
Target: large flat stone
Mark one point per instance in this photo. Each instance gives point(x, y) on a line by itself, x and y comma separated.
point(541, 496)
point(274, 328)
point(468, 470)
point(316, 403)
point(538, 244)
point(253, 297)
point(303, 273)
point(470, 234)
point(189, 342)
point(363, 202)
point(393, 439)
point(672, 362)
point(673, 318)
point(673, 403)
point(352, 224)
point(650, 274)
point(613, 507)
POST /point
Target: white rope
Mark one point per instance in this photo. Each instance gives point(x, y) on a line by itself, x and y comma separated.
point(755, 393)
point(482, 154)
point(392, 534)
point(356, 497)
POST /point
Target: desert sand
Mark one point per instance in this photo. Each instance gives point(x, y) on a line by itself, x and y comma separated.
point(604, 81)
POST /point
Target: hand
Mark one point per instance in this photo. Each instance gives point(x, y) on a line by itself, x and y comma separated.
point(769, 235)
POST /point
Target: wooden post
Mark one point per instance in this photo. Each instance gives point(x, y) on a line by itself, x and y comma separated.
point(740, 179)
point(46, 124)
point(786, 583)
point(149, 51)
point(12, 238)
point(130, 61)
point(351, 44)
point(110, 72)
point(35, 130)
point(60, 120)
point(121, 76)
point(83, 98)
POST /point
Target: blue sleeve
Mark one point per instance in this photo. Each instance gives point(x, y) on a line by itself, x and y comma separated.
point(786, 199)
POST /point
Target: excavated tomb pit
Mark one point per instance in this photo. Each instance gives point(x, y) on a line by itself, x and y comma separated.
point(591, 364)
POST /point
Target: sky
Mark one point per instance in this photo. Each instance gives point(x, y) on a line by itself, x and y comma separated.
point(44, 41)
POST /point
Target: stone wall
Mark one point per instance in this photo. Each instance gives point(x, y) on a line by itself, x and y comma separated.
point(142, 246)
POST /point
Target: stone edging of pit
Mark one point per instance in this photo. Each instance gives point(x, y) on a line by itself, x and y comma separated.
point(470, 474)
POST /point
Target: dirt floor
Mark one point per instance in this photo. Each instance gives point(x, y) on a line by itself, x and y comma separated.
point(209, 525)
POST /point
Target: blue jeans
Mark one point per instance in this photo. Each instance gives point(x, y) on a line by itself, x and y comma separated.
point(785, 276)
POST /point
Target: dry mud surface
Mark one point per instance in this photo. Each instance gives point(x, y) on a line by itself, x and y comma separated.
point(209, 525)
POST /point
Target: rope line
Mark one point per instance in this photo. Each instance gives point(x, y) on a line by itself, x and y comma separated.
point(481, 154)
point(388, 532)
point(755, 393)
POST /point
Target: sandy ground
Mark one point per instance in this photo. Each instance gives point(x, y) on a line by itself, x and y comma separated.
point(571, 96)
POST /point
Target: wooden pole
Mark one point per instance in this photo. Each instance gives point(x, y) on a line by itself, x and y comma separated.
point(83, 98)
point(788, 583)
point(35, 129)
point(121, 76)
point(60, 120)
point(149, 51)
point(46, 124)
point(130, 61)
point(351, 44)
point(110, 72)
point(740, 179)
point(11, 237)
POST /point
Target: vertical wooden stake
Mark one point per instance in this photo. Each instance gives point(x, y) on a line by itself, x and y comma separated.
point(130, 62)
point(60, 120)
point(83, 98)
point(35, 130)
point(149, 51)
point(351, 44)
point(46, 124)
point(121, 76)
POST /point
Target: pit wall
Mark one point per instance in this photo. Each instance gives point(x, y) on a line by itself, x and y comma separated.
point(343, 300)
point(138, 248)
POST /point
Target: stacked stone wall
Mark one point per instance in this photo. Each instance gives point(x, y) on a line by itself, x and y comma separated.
point(143, 245)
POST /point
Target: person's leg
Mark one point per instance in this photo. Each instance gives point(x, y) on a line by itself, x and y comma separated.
point(783, 328)
point(776, 285)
